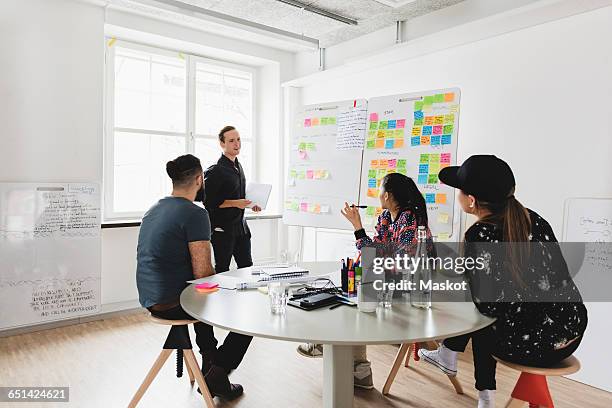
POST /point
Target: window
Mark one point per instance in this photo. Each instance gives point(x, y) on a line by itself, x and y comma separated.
point(161, 104)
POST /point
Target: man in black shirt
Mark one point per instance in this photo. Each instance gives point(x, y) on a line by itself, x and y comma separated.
point(225, 201)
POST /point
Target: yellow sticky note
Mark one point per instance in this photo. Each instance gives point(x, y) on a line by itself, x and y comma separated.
point(443, 235)
point(443, 218)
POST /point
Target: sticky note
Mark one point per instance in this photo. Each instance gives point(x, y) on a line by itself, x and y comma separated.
point(432, 179)
point(418, 122)
point(401, 171)
point(401, 123)
point(430, 198)
point(434, 157)
point(441, 198)
point(449, 97)
point(310, 146)
point(418, 115)
point(207, 285)
point(380, 133)
point(422, 179)
point(423, 168)
point(424, 158)
point(428, 100)
point(389, 134)
point(429, 120)
point(325, 174)
point(304, 207)
point(303, 155)
point(437, 130)
point(418, 105)
point(389, 171)
point(454, 108)
point(373, 125)
point(391, 124)
point(371, 173)
point(448, 129)
point(323, 121)
point(443, 235)
point(379, 211)
point(449, 119)
point(392, 163)
point(370, 144)
point(318, 174)
point(371, 135)
point(383, 124)
point(372, 183)
point(317, 209)
point(302, 146)
point(443, 218)
point(383, 163)
point(416, 131)
point(445, 158)
point(427, 130)
point(399, 143)
point(373, 117)
point(439, 98)
point(439, 120)
point(380, 143)
point(306, 122)
point(301, 175)
point(415, 141)
point(435, 140)
point(372, 192)
point(370, 211)
point(446, 139)
point(331, 121)
point(434, 168)
point(443, 165)
point(425, 140)
point(401, 164)
point(324, 209)
point(374, 164)
point(427, 108)
point(381, 173)
point(399, 132)
point(315, 122)
point(310, 174)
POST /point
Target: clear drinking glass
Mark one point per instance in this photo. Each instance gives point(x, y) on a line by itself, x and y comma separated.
point(278, 294)
point(385, 297)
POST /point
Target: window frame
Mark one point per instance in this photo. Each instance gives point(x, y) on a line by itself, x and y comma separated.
point(109, 212)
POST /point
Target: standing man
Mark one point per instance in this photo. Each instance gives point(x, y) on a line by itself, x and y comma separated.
point(225, 191)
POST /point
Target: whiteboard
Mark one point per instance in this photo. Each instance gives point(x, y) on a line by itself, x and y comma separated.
point(325, 151)
point(49, 252)
point(414, 134)
point(588, 220)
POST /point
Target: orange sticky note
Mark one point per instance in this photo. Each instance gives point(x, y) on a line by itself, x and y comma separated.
point(374, 164)
point(424, 140)
point(315, 121)
point(429, 120)
point(449, 97)
point(380, 143)
point(399, 143)
point(372, 192)
point(440, 198)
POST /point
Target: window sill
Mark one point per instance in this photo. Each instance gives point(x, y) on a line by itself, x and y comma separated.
point(136, 222)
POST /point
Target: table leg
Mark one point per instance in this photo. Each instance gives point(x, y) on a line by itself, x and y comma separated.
point(337, 376)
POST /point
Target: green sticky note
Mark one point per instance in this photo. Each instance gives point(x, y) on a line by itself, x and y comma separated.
point(401, 164)
point(401, 171)
point(428, 100)
point(434, 158)
point(399, 133)
point(382, 124)
point(324, 121)
point(371, 173)
point(371, 144)
point(302, 146)
point(331, 121)
point(448, 129)
point(301, 175)
point(439, 98)
point(381, 173)
point(418, 105)
point(373, 125)
point(432, 179)
point(310, 146)
point(293, 174)
point(370, 211)
point(418, 122)
point(424, 158)
point(371, 134)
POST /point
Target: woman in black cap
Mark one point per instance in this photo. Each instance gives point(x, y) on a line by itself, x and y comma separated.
point(525, 283)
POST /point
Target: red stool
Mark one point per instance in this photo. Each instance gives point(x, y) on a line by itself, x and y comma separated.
point(532, 387)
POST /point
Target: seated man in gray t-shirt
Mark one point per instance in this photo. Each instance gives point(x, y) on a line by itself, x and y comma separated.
point(174, 247)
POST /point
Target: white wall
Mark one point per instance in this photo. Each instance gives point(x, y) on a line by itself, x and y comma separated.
point(539, 98)
point(51, 108)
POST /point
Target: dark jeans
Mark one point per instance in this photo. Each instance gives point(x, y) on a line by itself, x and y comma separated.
point(483, 349)
point(228, 356)
point(227, 244)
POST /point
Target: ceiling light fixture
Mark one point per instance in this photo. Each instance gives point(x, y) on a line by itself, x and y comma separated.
point(319, 11)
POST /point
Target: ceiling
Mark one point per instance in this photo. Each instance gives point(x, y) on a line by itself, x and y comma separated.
point(371, 15)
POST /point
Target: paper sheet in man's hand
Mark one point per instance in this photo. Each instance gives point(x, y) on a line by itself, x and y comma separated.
point(258, 194)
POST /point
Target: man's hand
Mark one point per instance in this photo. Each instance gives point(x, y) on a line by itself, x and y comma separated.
point(256, 208)
point(240, 203)
point(200, 259)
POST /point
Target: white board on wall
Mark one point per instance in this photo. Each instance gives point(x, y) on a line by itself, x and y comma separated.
point(414, 134)
point(326, 146)
point(49, 252)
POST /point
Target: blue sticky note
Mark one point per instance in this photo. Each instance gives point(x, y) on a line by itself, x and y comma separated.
point(372, 183)
point(423, 168)
point(422, 179)
point(415, 141)
point(435, 140)
point(418, 114)
point(426, 130)
point(430, 198)
point(446, 139)
point(391, 124)
point(389, 143)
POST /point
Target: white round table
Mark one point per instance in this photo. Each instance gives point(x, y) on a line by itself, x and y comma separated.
point(248, 312)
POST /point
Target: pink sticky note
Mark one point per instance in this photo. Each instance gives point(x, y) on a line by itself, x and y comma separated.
point(400, 124)
point(392, 163)
point(437, 130)
point(304, 207)
point(373, 117)
point(303, 155)
point(306, 122)
point(309, 174)
point(445, 158)
point(206, 285)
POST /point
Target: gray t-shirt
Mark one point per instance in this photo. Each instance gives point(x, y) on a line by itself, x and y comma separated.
point(163, 258)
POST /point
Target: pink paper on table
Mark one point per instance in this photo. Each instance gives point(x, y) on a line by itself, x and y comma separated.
point(373, 117)
point(206, 285)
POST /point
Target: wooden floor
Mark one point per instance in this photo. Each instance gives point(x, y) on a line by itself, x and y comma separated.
point(103, 363)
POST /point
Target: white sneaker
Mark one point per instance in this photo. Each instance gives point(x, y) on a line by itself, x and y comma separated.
point(486, 399)
point(443, 358)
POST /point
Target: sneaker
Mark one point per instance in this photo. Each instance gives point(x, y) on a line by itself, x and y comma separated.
point(486, 399)
point(219, 385)
point(362, 375)
point(311, 350)
point(443, 358)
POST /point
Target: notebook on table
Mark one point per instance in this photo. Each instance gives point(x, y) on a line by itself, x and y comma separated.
point(282, 273)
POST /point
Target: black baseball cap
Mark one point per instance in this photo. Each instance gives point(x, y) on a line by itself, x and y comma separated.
point(486, 177)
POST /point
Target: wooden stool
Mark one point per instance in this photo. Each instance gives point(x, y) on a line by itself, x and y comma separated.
point(178, 339)
point(407, 350)
point(532, 387)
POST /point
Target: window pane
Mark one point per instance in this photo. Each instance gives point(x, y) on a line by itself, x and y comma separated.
point(208, 151)
point(150, 91)
point(223, 97)
point(140, 177)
